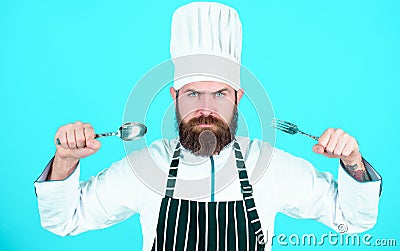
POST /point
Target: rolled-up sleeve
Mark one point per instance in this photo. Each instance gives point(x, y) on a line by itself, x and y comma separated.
point(70, 207)
point(343, 204)
point(359, 200)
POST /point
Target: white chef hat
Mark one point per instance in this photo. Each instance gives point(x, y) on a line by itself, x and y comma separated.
point(206, 44)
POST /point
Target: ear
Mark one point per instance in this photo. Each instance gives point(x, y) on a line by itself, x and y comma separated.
point(173, 94)
point(239, 94)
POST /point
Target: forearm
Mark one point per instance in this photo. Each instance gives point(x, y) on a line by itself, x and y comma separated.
point(61, 168)
point(356, 169)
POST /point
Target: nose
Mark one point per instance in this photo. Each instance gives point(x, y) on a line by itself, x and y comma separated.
point(205, 112)
point(206, 105)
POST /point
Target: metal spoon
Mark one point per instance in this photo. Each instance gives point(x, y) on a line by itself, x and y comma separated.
point(128, 132)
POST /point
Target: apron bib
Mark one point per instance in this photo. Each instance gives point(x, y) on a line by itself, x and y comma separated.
point(221, 225)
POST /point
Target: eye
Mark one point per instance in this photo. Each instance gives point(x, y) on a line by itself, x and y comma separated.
point(220, 94)
point(194, 94)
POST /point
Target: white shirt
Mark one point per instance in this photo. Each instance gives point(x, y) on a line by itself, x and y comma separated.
point(136, 184)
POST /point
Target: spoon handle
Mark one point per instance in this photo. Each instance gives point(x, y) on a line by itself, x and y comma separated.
point(101, 135)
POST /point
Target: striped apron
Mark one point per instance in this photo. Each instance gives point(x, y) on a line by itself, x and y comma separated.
point(222, 225)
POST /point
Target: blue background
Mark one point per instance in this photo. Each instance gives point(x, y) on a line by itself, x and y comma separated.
point(323, 64)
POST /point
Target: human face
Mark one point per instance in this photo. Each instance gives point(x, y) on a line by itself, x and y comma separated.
point(204, 130)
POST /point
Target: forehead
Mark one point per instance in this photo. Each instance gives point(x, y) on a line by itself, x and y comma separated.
point(206, 85)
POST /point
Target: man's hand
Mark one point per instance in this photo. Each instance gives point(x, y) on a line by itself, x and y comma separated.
point(335, 143)
point(76, 142)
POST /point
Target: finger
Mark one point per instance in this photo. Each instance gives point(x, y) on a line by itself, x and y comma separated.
point(342, 141)
point(59, 137)
point(80, 136)
point(96, 145)
point(89, 134)
point(324, 138)
point(350, 147)
point(62, 137)
point(330, 147)
point(318, 149)
point(71, 142)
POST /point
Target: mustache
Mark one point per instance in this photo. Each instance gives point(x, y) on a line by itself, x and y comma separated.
point(207, 120)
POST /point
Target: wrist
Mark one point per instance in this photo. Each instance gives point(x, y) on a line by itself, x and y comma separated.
point(62, 167)
point(355, 168)
point(352, 160)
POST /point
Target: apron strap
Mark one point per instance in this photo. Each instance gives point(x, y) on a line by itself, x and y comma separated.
point(173, 171)
point(247, 192)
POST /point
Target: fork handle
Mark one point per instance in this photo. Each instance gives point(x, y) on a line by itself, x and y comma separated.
point(309, 135)
point(314, 137)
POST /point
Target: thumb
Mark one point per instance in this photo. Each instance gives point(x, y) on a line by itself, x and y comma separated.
point(93, 145)
point(318, 149)
point(91, 149)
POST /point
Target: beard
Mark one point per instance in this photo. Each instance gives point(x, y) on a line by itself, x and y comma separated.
point(205, 141)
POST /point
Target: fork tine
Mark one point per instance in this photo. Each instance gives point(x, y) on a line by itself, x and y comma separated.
point(284, 129)
point(280, 124)
point(276, 122)
point(281, 127)
point(280, 121)
point(283, 122)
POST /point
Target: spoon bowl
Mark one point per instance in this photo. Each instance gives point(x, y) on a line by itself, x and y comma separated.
point(131, 131)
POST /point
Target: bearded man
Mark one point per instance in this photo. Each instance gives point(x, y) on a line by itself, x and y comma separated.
point(201, 208)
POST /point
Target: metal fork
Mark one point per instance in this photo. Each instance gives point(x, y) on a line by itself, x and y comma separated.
point(289, 128)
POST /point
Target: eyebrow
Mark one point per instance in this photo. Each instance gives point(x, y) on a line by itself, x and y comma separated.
point(196, 90)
